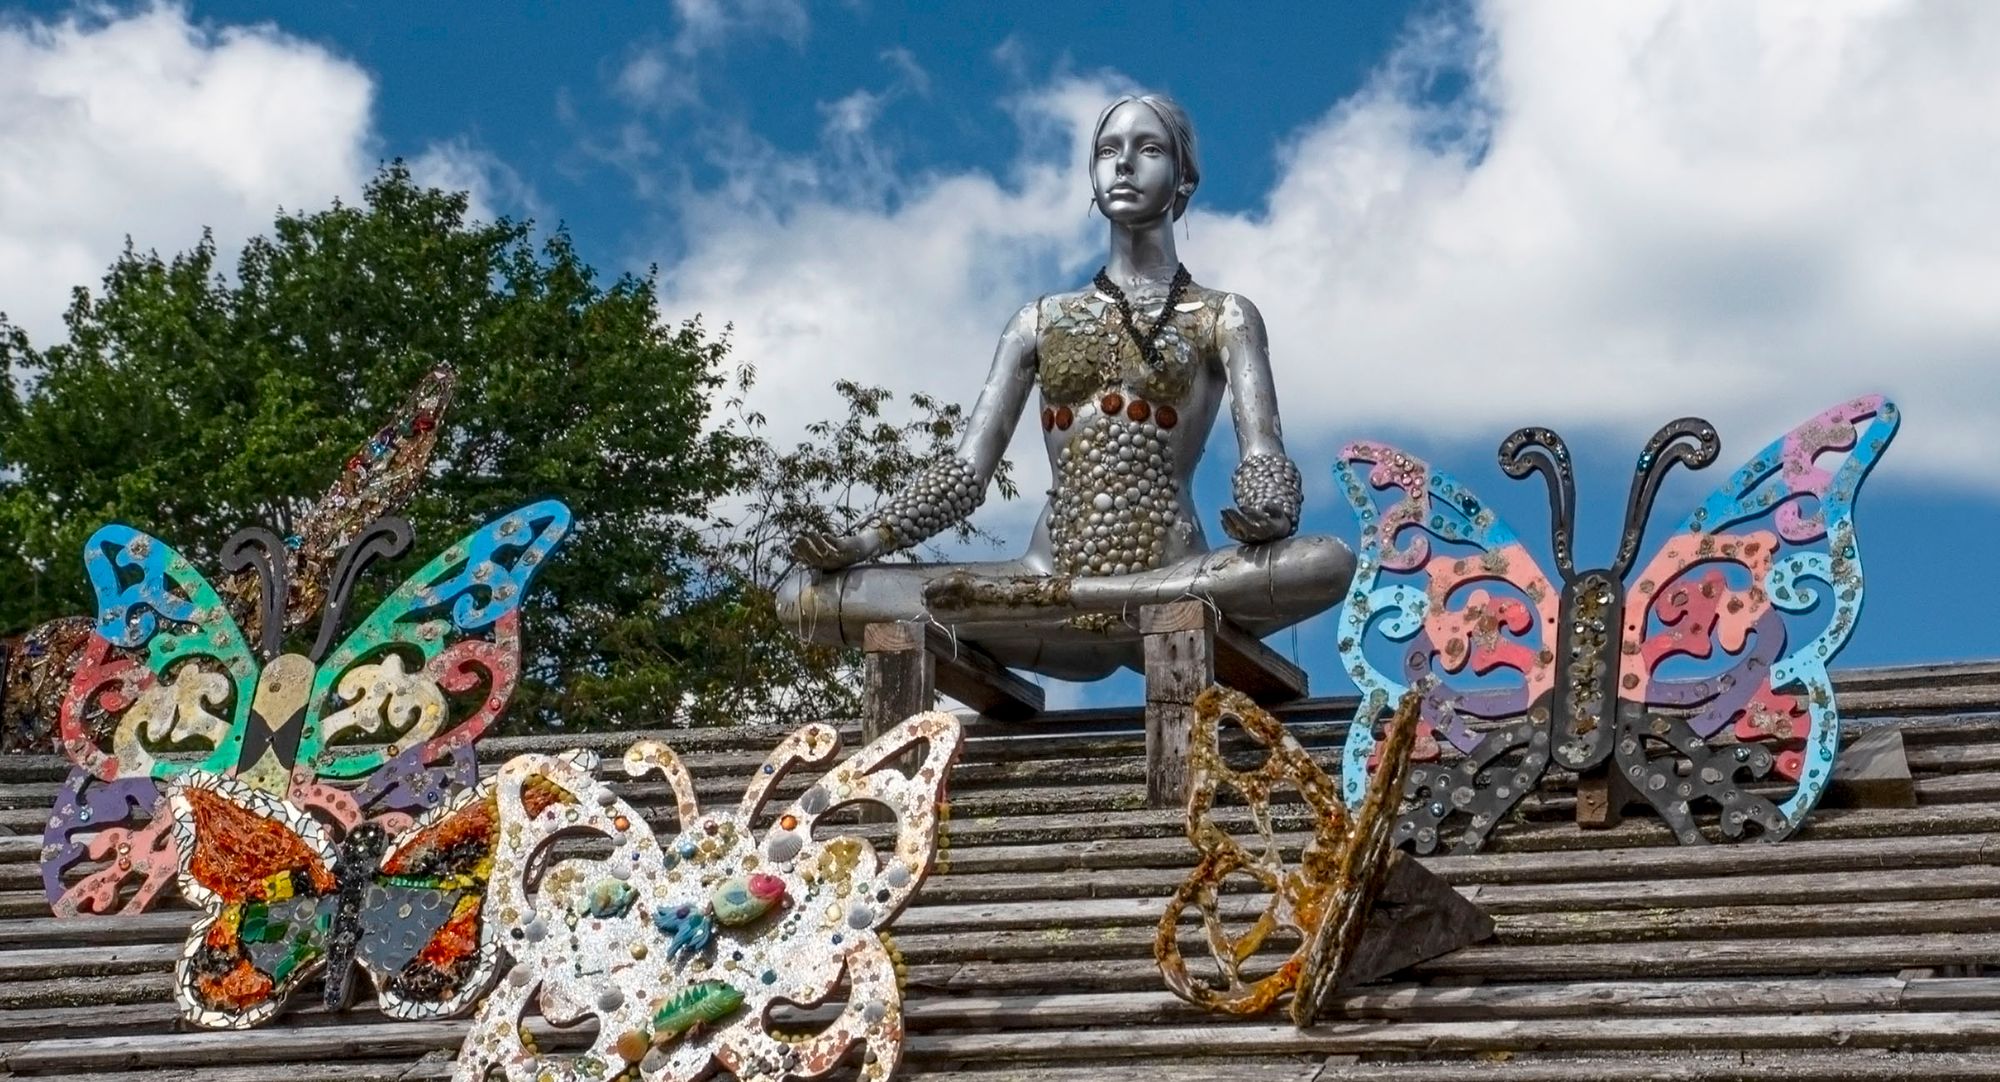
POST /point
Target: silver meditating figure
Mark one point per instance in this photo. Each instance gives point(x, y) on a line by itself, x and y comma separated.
point(1131, 373)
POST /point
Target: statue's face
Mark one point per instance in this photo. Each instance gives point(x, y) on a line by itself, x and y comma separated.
point(1133, 171)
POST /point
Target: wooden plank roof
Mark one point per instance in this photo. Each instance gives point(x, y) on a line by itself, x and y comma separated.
point(1855, 951)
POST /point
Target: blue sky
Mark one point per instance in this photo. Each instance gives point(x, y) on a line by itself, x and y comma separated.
point(1457, 218)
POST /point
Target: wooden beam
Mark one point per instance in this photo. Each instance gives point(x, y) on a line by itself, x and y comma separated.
point(970, 675)
point(1254, 669)
point(1601, 797)
point(1179, 642)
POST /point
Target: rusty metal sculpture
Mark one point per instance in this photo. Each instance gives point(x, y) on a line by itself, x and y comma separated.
point(1324, 898)
point(680, 947)
point(1687, 678)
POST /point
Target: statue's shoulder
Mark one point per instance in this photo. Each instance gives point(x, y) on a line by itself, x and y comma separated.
point(1231, 311)
point(1069, 300)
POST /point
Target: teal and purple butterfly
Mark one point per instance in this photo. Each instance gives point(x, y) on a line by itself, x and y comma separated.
point(1686, 676)
point(377, 727)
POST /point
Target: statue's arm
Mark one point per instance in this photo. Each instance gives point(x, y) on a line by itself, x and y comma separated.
point(945, 492)
point(1267, 486)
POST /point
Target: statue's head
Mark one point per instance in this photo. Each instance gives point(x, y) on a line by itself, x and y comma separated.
point(1142, 159)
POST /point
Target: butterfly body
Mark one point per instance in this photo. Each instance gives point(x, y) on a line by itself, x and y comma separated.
point(1521, 670)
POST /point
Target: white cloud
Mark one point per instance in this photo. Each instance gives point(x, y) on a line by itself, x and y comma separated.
point(1643, 210)
point(151, 126)
point(819, 285)
point(665, 76)
point(706, 24)
point(1634, 211)
point(495, 188)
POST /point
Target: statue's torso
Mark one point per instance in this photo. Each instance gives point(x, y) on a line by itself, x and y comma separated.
point(1124, 433)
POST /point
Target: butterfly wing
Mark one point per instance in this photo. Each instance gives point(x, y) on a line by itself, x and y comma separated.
point(1290, 889)
point(261, 870)
point(377, 481)
point(452, 630)
point(581, 931)
point(419, 928)
point(1323, 899)
point(164, 665)
point(1735, 591)
point(845, 890)
point(1476, 637)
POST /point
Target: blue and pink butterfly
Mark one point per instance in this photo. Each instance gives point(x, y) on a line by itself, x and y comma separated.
point(1688, 677)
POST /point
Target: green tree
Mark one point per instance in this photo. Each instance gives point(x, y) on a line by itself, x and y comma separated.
point(190, 404)
point(13, 567)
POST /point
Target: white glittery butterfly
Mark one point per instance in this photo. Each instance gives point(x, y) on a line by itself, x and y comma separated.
point(681, 949)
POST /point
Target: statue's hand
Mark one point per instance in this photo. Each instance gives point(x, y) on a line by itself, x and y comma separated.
point(831, 552)
point(1268, 497)
point(1256, 525)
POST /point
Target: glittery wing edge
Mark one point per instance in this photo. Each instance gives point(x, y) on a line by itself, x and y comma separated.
point(148, 598)
point(1435, 505)
point(461, 614)
point(1775, 485)
point(218, 926)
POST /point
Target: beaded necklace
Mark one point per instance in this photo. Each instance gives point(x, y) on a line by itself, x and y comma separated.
point(1148, 342)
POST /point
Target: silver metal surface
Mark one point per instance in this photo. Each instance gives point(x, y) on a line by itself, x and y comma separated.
point(1126, 410)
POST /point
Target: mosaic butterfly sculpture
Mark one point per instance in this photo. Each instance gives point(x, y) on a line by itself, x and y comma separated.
point(680, 948)
point(1323, 898)
point(380, 476)
point(270, 750)
point(1699, 671)
point(282, 902)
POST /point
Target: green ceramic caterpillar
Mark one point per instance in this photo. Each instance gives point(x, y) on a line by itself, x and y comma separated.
point(699, 1004)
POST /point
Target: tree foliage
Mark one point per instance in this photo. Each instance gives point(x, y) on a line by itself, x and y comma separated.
point(190, 403)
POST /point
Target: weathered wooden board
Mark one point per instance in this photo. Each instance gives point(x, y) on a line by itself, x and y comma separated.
point(1853, 953)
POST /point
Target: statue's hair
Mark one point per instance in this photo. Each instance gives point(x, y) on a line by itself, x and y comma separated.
point(1180, 130)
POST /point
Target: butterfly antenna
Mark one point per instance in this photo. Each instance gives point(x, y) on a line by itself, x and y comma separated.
point(384, 538)
point(1689, 441)
point(257, 549)
point(1540, 450)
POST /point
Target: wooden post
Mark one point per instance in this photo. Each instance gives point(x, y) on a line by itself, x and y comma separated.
point(1179, 641)
point(899, 677)
point(1601, 796)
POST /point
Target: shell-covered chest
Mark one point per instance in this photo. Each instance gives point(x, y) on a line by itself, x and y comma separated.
point(1086, 347)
